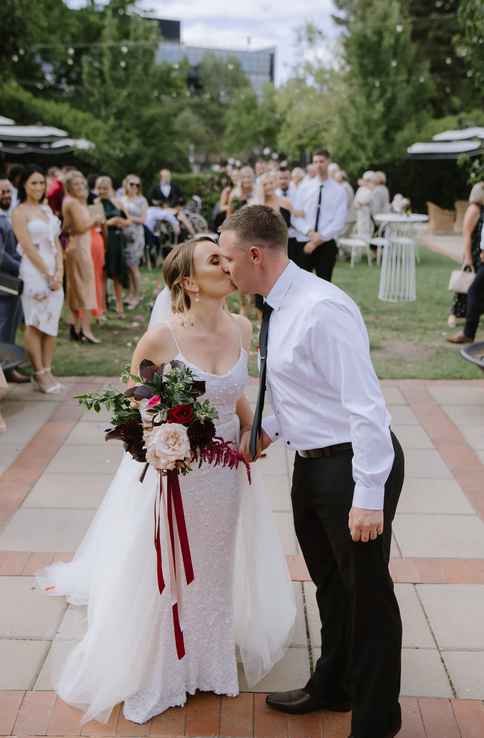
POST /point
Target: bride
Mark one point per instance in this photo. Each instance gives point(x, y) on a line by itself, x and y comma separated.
point(241, 595)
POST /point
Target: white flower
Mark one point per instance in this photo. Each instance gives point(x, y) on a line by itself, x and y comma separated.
point(166, 445)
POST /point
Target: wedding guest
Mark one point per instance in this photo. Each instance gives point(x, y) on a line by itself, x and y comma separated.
point(260, 168)
point(91, 186)
point(325, 208)
point(244, 193)
point(284, 184)
point(297, 176)
point(333, 170)
point(311, 172)
point(342, 178)
point(167, 194)
point(41, 269)
point(473, 230)
point(135, 206)
point(98, 259)
point(115, 242)
point(15, 174)
point(267, 194)
point(55, 190)
point(381, 194)
point(10, 305)
point(79, 266)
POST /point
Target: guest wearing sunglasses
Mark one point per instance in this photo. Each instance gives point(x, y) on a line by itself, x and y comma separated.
point(136, 207)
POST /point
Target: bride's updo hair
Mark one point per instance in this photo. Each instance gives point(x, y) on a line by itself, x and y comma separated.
point(177, 266)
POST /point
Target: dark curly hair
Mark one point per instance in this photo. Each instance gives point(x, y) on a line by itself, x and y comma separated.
point(28, 172)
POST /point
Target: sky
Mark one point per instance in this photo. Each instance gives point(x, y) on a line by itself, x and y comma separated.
point(260, 23)
point(256, 22)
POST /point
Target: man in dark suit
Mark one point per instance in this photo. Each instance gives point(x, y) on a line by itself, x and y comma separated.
point(166, 193)
point(10, 307)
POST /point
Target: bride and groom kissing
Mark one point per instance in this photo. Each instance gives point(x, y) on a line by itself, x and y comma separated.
point(348, 474)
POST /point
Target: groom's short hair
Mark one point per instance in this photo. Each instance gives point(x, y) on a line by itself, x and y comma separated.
point(258, 225)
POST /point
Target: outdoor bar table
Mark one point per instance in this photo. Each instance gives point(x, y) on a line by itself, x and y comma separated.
point(397, 278)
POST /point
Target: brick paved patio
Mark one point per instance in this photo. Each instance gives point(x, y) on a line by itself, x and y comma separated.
point(56, 469)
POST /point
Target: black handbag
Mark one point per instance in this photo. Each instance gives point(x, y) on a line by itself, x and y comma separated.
point(10, 285)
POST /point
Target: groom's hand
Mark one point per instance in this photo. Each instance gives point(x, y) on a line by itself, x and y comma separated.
point(365, 525)
point(262, 443)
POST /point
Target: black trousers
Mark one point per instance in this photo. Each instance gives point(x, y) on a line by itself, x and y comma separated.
point(475, 304)
point(361, 634)
point(321, 261)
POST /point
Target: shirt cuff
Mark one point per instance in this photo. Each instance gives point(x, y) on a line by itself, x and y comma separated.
point(369, 498)
point(270, 425)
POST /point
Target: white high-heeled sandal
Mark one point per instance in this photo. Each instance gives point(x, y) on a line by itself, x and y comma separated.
point(58, 385)
point(45, 390)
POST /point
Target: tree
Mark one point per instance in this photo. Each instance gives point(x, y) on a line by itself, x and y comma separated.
point(470, 42)
point(251, 123)
point(383, 87)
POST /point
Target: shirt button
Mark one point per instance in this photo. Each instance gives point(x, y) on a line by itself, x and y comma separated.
point(277, 434)
point(288, 443)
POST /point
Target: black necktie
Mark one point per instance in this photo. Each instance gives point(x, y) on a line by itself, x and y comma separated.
point(318, 211)
point(263, 339)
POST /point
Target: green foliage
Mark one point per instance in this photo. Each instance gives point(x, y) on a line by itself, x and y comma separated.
point(251, 123)
point(120, 406)
point(382, 86)
point(471, 38)
point(206, 186)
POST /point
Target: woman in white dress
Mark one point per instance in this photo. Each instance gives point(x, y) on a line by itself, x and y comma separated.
point(241, 594)
point(41, 269)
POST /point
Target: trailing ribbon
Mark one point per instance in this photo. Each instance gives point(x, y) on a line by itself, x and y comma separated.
point(178, 543)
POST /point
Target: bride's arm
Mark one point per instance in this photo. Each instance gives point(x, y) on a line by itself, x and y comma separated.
point(242, 407)
point(157, 345)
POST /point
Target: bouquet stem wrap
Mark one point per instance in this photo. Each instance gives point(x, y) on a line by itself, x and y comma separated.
point(172, 504)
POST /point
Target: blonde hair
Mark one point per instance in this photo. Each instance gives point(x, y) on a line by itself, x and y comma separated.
point(179, 265)
point(477, 194)
point(126, 180)
point(69, 180)
point(382, 178)
point(260, 197)
point(104, 180)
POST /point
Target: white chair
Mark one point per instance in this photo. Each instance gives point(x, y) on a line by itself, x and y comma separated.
point(356, 246)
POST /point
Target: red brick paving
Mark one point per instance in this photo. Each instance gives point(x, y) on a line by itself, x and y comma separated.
point(41, 713)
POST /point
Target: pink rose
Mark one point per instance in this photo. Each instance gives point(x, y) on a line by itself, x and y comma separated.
point(153, 401)
point(166, 445)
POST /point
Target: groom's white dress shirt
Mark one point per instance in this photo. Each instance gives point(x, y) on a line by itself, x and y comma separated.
point(321, 380)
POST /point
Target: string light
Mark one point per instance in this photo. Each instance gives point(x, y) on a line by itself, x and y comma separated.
point(399, 28)
point(14, 58)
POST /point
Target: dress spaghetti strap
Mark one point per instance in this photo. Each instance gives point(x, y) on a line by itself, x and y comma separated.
point(172, 332)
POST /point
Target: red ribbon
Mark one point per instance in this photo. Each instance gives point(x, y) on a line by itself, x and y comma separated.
point(178, 537)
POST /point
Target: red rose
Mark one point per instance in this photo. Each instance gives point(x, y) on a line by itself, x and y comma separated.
point(181, 414)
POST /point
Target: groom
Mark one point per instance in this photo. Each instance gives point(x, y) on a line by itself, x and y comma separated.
point(348, 470)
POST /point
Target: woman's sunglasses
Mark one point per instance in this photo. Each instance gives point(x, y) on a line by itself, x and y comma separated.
point(134, 184)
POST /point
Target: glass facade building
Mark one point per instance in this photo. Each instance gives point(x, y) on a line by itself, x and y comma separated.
point(258, 64)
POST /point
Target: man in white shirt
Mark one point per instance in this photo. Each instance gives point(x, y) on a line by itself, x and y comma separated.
point(324, 203)
point(348, 471)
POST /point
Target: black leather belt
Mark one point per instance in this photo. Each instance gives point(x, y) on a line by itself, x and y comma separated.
point(319, 453)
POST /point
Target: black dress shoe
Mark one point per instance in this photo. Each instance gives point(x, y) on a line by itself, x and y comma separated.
point(16, 377)
point(299, 702)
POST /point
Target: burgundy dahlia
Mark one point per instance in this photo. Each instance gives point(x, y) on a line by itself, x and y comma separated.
point(201, 434)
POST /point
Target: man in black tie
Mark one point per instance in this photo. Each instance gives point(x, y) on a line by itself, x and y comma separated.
point(324, 203)
point(348, 471)
point(10, 306)
point(166, 193)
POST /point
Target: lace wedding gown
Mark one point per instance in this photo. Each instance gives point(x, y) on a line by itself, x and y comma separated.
point(241, 593)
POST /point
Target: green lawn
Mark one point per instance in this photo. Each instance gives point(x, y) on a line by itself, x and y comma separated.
point(407, 339)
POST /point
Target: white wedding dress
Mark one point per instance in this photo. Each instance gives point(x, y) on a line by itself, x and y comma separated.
point(241, 594)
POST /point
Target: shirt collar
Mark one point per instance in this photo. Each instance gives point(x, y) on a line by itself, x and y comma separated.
point(281, 287)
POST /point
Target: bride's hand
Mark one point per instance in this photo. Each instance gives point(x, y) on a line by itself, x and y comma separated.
point(245, 443)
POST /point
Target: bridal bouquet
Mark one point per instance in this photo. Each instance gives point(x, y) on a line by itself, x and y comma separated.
point(164, 422)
